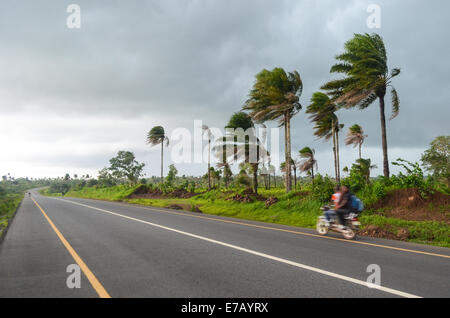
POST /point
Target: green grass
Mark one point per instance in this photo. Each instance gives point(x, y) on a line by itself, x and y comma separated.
point(8, 206)
point(294, 210)
point(116, 193)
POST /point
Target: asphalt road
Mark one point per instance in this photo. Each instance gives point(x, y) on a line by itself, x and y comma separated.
point(132, 251)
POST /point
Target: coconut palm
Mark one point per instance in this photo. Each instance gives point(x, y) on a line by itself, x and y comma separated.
point(241, 144)
point(209, 134)
point(364, 63)
point(294, 165)
point(226, 171)
point(356, 137)
point(155, 137)
point(308, 161)
point(275, 96)
point(363, 166)
point(322, 112)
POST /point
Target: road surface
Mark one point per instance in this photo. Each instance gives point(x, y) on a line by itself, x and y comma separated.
point(126, 250)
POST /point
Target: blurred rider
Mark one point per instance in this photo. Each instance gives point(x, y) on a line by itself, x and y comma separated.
point(334, 199)
point(343, 206)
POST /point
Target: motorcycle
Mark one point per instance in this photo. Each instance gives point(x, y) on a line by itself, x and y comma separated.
point(352, 224)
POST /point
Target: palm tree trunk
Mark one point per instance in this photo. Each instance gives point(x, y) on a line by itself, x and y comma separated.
point(287, 121)
point(255, 178)
point(360, 144)
point(312, 176)
point(295, 178)
point(209, 164)
point(338, 158)
point(334, 151)
point(384, 138)
point(162, 160)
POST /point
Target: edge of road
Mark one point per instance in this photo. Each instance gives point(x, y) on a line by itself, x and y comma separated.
point(10, 221)
point(400, 246)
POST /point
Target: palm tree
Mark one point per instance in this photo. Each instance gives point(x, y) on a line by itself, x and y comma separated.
point(209, 133)
point(364, 63)
point(322, 112)
point(155, 137)
point(294, 165)
point(308, 161)
point(242, 149)
point(356, 137)
point(226, 171)
point(363, 166)
point(275, 96)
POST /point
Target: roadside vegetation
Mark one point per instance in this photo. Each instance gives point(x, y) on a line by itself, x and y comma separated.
point(412, 205)
point(11, 194)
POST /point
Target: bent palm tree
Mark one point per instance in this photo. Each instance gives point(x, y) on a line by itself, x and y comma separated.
point(275, 96)
point(356, 137)
point(294, 165)
point(322, 112)
point(308, 161)
point(241, 144)
point(363, 166)
point(364, 63)
point(155, 137)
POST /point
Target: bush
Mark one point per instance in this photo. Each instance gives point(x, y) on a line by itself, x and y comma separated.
point(379, 190)
point(323, 188)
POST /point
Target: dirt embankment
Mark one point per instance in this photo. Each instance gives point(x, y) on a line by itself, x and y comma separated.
point(409, 204)
point(157, 194)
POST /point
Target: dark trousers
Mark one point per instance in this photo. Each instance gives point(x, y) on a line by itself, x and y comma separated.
point(342, 213)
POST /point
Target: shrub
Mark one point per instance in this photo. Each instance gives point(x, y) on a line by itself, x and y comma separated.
point(323, 188)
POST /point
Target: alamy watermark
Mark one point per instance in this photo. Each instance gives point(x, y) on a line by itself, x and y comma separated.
point(374, 19)
point(73, 21)
point(74, 279)
point(374, 279)
point(255, 145)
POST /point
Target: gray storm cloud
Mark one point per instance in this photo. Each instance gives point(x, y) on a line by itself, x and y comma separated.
point(70, 98)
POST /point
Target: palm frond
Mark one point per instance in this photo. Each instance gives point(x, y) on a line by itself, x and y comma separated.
point(395, 103)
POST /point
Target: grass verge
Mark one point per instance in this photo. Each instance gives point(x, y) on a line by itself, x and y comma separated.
point(8, 206)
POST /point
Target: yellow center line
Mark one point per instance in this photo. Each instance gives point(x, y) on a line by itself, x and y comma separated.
point(296, 232)
point(101, 291)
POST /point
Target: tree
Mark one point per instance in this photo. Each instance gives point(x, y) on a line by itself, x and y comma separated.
point(155, 137)
point(209, 134)
point(322, 112)
point(241, 144)
point(124, 165)
point(364, 63)
point(226, 172)
point(294, 164)
point(105, 178)
point(437, 159)
point(275, 96)
point(356, 137)
point(171, 175)
point(363, 167)
point(308, 161)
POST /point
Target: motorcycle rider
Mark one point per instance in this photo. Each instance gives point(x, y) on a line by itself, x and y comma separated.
point(334, 200)
point(343, 206)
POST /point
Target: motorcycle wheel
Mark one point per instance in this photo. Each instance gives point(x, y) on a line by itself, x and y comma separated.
point(322, 227)
point(349, 234)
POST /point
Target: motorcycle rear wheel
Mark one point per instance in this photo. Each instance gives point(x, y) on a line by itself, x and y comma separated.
point(349, 233)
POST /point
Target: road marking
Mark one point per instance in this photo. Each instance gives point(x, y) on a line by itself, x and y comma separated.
point(101, 291)
point(280, 230)
point(253, 252)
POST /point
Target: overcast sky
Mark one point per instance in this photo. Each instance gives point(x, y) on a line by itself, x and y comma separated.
point(71, 98)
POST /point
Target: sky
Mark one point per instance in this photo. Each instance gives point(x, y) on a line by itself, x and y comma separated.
point(71, 98)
